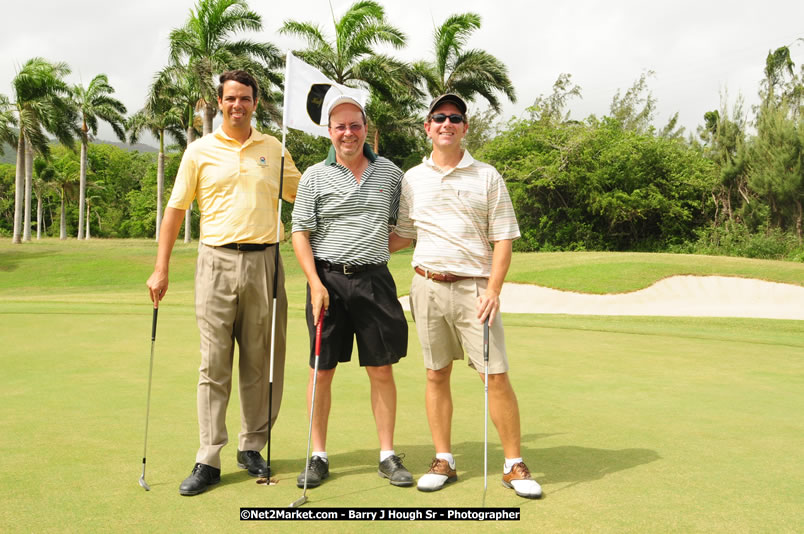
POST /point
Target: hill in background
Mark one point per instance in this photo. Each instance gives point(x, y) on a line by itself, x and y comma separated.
point(10, 153)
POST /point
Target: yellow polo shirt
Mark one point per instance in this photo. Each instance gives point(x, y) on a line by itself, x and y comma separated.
point(235, 186)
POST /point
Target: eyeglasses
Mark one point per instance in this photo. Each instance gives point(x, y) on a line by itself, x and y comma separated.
point(341, 128)
point(455, 118)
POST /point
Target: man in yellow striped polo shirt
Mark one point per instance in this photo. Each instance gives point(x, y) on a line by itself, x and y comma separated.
point(457, 207)
point(233, 174)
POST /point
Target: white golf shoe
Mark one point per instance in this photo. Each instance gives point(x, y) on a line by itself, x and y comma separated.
point(439, 475)
point(519, 480)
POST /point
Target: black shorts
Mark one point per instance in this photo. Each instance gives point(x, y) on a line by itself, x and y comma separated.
point(362, 305)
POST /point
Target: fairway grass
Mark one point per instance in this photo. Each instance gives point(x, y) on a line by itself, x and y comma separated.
point(631, 424)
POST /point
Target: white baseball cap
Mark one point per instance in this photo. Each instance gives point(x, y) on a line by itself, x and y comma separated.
point(343, 99)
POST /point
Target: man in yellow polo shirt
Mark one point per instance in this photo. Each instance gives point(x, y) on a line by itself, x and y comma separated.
point(233, 174)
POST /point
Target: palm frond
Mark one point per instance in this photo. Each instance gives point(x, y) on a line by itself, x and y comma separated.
point(451, 37)
point(307, 31)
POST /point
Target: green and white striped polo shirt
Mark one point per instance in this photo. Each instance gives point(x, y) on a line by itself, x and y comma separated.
point(455, 216)
point(348, 221)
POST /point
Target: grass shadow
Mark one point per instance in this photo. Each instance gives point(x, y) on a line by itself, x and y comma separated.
point(11, 260)
point(553, 465)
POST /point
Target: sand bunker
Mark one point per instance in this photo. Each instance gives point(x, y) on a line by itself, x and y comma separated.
point(679, 296)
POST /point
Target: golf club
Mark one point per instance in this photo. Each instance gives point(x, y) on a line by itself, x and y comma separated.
point(144, 484)
point(273, 313)
point(486, 411)
point(303, 499)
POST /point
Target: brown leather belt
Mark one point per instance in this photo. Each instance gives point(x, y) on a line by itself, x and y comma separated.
point(439, 277)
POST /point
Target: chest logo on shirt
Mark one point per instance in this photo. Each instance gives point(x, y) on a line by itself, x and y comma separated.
point(263, 163)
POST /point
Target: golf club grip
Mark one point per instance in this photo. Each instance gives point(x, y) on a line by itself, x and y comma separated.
point(153, 325)
point(486, 340)
point(318, 328)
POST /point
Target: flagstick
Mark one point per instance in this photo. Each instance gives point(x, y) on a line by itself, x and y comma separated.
point(276, 274)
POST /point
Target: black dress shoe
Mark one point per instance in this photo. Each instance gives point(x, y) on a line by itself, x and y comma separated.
point(251, 460)
point(202, 477)
point(317, 470)
point(392, 469)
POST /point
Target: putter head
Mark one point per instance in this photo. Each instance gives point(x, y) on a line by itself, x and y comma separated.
point(298, 502)
point(144, 484)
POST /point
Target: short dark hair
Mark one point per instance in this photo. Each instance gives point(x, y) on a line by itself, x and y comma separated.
point(239, 76)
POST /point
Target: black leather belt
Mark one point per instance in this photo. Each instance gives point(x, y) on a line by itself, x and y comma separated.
point(348, 269)
point(247, 247)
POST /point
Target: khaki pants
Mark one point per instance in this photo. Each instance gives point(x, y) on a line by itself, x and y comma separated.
point(234, 302)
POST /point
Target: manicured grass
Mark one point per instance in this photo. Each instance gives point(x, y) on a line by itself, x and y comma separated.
point(635, 424)
point(619, 272)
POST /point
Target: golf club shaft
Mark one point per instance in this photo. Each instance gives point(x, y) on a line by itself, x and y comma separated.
point(271, 375)
point(486, 410)
point(318, 328)
point(273, 313)
point(148, 400)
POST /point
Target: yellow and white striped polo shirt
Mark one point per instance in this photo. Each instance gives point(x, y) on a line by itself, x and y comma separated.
point(455, 216)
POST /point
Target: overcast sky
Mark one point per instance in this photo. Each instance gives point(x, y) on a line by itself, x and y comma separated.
point(698, 49)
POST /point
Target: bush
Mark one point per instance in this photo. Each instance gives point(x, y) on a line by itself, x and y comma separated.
point(595, 186)
point(738, 240)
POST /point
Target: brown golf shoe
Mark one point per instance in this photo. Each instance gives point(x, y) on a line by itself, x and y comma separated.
point(519, 480)
point(438, 476)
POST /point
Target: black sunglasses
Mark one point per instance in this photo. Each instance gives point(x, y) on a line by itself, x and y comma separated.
point(455, 118)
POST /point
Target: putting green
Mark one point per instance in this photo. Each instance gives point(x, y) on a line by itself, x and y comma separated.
point(631, 424)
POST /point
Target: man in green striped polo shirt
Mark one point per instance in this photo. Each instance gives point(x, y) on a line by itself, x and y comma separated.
point(340, 235)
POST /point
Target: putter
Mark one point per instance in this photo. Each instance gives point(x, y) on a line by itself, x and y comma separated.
point(486, 411)
point(303, 499)
point(144, 484)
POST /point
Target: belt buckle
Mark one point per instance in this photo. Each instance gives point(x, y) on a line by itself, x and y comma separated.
point(347, 271)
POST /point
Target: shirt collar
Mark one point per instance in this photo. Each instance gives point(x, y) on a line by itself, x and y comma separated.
point(331, 156)
point(252, 138)
point(466, 161)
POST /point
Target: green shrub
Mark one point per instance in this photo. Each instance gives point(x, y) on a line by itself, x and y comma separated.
point(738, 240)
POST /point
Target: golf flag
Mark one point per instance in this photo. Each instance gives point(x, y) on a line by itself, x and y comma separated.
point(307, 93)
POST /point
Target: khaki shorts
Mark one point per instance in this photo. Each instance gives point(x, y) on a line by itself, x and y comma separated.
point(446, 321)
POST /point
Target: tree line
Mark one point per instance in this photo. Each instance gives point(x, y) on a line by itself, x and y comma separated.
point(614, 182)
point(181, 102)
point(617, 182)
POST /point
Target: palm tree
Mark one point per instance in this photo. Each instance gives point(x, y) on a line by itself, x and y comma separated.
point(41, 186)
point(92, 103)
point(351, 58)
point(91, 200)
point(64, 175)
point(8, 122)
point(177, 84)
point(203, 42)
point(8, 135)
point(181, 87)
point(397, 115)
point(159, 116)
point(40, 105)
point(467, 73)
